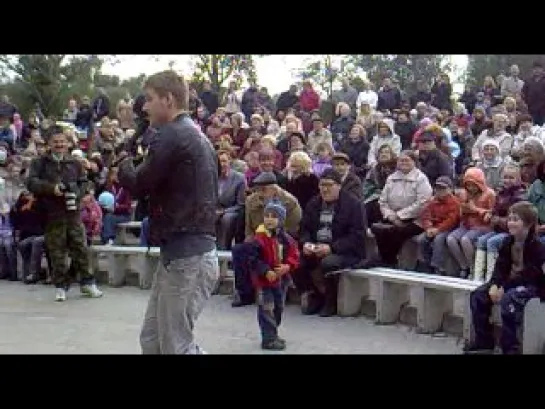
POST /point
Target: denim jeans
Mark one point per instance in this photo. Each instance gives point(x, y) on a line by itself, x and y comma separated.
point(270, 306)
point(109, 225)
point(491, 241)
point(433, 251)
point(32, 251)
point(144, 232)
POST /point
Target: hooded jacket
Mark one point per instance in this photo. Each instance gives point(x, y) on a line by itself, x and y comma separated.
point(391, 139)
point(484, 201)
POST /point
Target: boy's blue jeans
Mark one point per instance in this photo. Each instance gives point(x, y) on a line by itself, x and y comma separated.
point(491, 241)
point(270, 306)
point(109, 225)
point(433, 250)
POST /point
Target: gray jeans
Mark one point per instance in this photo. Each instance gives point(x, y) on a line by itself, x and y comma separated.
point(179, 292)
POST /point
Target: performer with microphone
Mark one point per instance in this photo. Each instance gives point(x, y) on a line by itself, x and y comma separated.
point(179, 175)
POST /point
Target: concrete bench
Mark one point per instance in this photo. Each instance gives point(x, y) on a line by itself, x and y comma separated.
point(432, 296)
point(122, 230)
point(534, 328)
point(148, 259)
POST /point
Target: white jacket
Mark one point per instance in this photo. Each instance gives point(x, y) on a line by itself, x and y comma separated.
point(367, 97)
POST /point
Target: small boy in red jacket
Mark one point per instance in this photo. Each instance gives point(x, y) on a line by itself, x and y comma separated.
point(438, 218)
point(275, 255)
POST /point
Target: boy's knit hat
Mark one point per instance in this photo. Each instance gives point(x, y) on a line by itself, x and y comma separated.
point(106, 200)
point(276, 207)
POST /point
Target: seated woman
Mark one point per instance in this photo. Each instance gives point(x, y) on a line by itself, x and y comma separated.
point(518, 277)
point(491, 163)
point(302, 183)
point(357, 149)
point(375, 180)
point(122, 207)
point(231, 198)
point(405, 193)
point(27, 223)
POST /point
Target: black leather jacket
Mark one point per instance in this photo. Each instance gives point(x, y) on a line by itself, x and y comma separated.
point(180, 176)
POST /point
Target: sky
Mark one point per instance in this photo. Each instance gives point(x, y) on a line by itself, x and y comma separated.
point(276, 72)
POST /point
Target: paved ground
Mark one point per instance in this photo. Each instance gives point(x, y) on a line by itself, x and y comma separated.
point(32, 323)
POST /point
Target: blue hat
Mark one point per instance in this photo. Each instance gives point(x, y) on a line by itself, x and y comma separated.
point(277, 208)
point(106, 200)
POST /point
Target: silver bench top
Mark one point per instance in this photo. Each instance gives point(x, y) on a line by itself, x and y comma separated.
point(130, 225)
point(135, 250)
point(404, 277)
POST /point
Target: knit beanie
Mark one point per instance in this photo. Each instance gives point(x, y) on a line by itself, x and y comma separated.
point(274, 206)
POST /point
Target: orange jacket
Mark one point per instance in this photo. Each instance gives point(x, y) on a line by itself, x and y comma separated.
point(484, 202)
point(442, 214)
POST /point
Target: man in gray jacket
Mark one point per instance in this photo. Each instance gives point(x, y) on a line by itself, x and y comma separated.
point(179, 174)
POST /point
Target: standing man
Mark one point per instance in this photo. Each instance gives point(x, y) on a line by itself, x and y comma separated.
point(180, 176)
point(533, 92)
point(58, 181)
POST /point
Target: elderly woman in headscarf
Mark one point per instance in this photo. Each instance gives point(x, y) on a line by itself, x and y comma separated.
point(491, 163)
point(498, 132)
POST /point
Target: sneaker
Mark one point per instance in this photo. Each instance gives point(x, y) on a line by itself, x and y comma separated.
point(91, 290)
point(110, 242)
point(60, 295)
point(474, 349)
point(274, 345)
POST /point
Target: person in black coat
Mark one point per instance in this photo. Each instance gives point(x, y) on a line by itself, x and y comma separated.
point(357, 149)
point(431, 161)
point(405, 128)
point(301, 182)
point(340, 128)
point(518, 277)
point(209, 98)
point(27, 221)
point(532, 93)
point(287, 99)
point(332, 234)
point(350, 182)
point(101, 105)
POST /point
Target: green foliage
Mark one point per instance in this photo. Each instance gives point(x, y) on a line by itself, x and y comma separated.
point(219, 68)
point(51, 80)
point(404, 68)
point(479, 66)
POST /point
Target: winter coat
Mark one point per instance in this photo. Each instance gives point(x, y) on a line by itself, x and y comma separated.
point(484, 201)
point(441, 213)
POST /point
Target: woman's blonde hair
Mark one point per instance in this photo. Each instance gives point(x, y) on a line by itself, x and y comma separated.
point(270, 139)
point(302, 158)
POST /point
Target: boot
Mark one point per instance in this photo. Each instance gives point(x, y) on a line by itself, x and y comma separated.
point(330, 307)
point(491, 258)
point(479, 268)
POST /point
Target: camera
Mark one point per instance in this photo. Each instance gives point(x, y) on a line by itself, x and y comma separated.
point(69, 196)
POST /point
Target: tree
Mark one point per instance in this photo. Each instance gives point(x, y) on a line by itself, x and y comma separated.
point(218, 68)
point(407, 69)
point(49, 79)
point(479, 66)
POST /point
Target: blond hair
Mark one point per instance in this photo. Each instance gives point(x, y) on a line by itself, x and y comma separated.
point(301, 158)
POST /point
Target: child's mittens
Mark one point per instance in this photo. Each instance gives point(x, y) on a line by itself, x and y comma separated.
point(271, 276)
